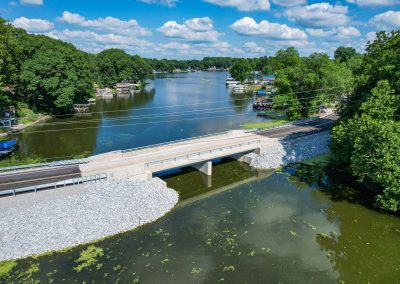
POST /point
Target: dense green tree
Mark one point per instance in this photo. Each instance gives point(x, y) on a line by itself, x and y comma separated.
point(285, 59)
point(370, 144)
point(344, 54)
point(381, 62)
point(115, 65)
point(305, 83)
point(10, 53)
point(241, 70)
point(57, 76)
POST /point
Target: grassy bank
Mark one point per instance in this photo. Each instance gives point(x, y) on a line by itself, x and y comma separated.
point(253, 88)
point(265, 124)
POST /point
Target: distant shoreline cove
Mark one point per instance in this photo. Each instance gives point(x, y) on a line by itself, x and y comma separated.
point(50, 221)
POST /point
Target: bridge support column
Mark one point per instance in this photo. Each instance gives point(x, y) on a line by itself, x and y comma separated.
point(205, 168)
point(263, 149)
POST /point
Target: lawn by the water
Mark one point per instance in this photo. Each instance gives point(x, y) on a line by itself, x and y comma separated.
point(265, 124)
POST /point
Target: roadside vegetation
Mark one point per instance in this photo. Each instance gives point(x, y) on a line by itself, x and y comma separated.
point(367, 139)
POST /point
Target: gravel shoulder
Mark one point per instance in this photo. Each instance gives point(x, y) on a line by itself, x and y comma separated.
point(52, 220)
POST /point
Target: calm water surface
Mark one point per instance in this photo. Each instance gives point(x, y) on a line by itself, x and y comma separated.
point(241, 226)
point(172, 107)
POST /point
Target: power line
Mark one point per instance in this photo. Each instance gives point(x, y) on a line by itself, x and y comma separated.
point(193, 104)
point(143, 123)
point(182, 113)
point(139, 123)
point(198, 112)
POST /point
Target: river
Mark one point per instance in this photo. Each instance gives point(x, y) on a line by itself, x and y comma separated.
point(240, 226)
point(171, 107)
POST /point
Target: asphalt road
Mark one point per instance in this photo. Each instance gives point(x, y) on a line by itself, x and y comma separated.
point(28, 178)
point(302, 128)
point(32, 177)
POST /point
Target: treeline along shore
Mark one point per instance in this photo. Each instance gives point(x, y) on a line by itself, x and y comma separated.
point(48, 76)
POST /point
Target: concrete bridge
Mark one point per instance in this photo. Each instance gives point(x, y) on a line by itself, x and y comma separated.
point(198, 153)
point(143, 163)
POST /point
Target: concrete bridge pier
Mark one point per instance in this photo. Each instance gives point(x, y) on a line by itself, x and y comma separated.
point(205, 167)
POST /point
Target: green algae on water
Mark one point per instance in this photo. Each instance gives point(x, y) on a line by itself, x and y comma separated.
point(6, 267)
point(88, 258)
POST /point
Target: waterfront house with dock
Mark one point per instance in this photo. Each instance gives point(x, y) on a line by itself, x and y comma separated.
point(124, 88)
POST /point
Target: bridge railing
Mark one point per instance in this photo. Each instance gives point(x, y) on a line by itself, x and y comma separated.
point(55, 185)
point(255, 130)
point(200, 153)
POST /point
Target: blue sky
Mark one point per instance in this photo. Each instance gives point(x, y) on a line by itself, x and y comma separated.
point(186, 29)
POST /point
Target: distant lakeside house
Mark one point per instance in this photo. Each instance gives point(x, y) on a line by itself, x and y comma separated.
point(7, 118)
point(267, 80)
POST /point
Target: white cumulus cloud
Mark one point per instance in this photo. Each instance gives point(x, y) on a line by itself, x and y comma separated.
point(196, 29)
point(347, 32)
point(289, 3)
point(252, 47)
point(243, 5)
point(248, 26)
point(387, 21)
point(107, 24)
point(200, 24)
point(320, 15)
point(363, 3)
point(33, 25)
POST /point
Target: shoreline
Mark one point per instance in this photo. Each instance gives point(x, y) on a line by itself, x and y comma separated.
point(19, 128)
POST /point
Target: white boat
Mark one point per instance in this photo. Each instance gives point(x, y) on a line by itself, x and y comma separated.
point(232, 84)
point(239, 89)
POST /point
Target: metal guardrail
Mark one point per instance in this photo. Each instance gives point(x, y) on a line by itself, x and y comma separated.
point(198, 154)
point(44, 165)
point(70, 182)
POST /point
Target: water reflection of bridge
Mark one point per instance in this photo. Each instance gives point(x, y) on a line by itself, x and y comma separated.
point(258, 176)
